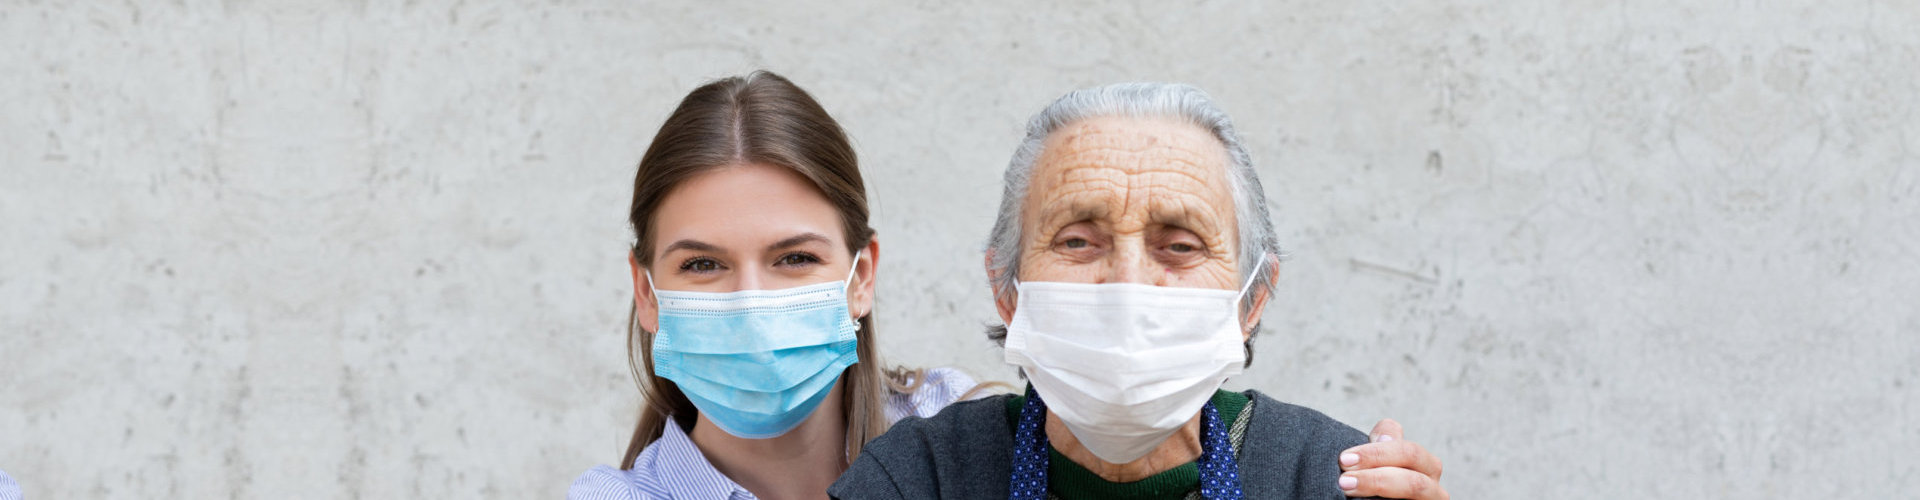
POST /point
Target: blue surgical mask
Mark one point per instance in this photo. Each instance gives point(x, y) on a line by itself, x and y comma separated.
point(756, 362)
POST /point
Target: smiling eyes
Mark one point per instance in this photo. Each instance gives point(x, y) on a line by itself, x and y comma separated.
point(700, 265)
point(797, 259)
point(792, 260)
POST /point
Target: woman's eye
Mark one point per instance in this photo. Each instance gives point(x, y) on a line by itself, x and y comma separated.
point(700, 265)
point(796, 259)
point(1075, 243)
point(1181, 248)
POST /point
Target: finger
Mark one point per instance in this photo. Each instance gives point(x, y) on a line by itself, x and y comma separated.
point(1386, 430)
point(1400, 454)
point(1391, 482)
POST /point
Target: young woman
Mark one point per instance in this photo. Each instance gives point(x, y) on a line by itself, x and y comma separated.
point(752, 334)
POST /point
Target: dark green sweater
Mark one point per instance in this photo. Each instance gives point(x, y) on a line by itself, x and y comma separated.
point(966, 452)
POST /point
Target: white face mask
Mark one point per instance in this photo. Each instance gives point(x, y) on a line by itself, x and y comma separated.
point(1124, 365)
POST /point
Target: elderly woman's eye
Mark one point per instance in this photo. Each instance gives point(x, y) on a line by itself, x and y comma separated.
point(1181, 247)
point(1075, 243)
point(700, 265)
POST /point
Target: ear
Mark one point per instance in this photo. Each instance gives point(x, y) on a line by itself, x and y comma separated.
point(644, 306)
point(1002, 300)
point(1271, 269)
point(860, 296)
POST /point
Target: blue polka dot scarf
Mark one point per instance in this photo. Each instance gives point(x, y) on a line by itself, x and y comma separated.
point(1219, 473)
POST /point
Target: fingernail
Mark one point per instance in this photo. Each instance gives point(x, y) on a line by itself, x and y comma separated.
point(1349, 482)
point(1383, 438)
point(1349, 459)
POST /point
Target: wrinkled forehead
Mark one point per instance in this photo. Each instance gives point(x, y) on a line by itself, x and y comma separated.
point(1094, 167)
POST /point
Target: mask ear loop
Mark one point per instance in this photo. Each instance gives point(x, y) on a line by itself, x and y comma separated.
point(855, 268)
point(851, 271)
point(636, 259)
point(650, 288)
point(655, 291)
point(1258, 267)
point(648, 272)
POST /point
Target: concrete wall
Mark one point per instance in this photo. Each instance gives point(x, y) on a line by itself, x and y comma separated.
point(373, 249)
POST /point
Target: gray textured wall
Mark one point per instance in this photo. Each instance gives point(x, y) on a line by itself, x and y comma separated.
point(373, 249)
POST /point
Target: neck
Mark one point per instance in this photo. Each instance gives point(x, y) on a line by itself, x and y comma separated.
point(1181, 448)
point(799, 464)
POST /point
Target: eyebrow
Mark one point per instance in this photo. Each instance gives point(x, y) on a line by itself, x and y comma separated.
point(704, 247)
point(1182, 216)
point(694, 245)
point(1073, 209)
point(797, 240)
point(1207, 225)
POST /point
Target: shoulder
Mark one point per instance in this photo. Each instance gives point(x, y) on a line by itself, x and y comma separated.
point(957, 429)
point(605, 483)
point(1292, 451)
point(979, 419)
point(964, 451)
point(1300, 422)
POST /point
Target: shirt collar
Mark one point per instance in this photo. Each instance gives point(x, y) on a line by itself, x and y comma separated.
point(685, 471)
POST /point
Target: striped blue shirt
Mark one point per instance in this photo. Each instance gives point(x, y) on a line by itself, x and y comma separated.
point(9, 490)
point(942, 386)
point(673, 468)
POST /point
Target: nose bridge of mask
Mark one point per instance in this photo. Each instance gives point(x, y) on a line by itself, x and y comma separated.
point(738, 323)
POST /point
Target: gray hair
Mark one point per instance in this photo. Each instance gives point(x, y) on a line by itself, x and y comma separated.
point(1156, 100)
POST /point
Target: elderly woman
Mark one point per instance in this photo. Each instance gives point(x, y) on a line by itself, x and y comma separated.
point(1131, 260)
